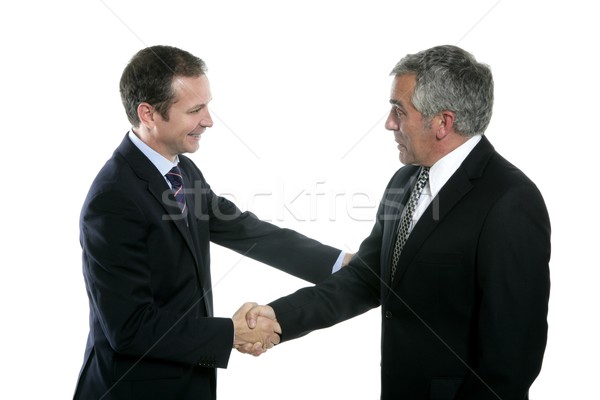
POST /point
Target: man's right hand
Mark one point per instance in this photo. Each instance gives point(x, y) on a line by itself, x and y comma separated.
point(256, 329)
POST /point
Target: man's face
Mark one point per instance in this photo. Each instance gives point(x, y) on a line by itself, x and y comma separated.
point(188, 118)
point(412, 132)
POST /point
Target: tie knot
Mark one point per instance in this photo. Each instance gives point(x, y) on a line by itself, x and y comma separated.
point(175, 177)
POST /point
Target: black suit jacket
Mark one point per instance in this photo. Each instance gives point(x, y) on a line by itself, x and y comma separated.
point(152, 333)
point(466, 315)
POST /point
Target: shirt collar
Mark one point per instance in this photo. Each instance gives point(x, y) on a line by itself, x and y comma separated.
point(161, 163)
point(445, 167)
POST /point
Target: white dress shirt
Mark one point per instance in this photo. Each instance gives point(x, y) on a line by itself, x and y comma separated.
point(162, 164)
point(439, 174)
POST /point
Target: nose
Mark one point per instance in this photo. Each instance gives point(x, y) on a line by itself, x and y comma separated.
point(206, 120)
point(391, 124)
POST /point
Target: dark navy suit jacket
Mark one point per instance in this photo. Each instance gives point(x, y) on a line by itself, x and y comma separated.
point(152, 332)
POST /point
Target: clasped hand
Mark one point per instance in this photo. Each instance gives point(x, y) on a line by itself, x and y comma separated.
point(256, 329)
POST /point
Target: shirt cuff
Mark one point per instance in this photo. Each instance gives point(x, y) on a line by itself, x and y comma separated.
point(338, 263)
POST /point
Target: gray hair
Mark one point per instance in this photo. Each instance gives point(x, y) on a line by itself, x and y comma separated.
point(449, 78)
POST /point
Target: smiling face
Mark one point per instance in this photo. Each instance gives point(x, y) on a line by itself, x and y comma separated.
point(414, 134)
point(188, 118)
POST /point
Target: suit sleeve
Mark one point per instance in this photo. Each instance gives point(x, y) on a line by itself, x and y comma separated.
point(349, 292)
point(284, 249)
point(114, 238)
point(513, 289)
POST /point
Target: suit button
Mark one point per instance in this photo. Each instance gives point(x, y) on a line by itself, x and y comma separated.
point(388, 315)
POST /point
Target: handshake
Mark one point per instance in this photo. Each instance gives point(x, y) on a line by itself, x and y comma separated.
point(256, 329)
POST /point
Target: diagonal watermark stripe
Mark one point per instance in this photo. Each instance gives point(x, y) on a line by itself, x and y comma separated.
point(364, 136)
point(123, 22)
point(478, 22)
point(234, 134)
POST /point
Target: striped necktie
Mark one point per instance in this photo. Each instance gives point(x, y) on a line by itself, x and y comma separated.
point(409, 210)
point(175, 177)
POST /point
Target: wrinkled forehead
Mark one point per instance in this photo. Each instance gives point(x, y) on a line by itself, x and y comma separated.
point(403, 87)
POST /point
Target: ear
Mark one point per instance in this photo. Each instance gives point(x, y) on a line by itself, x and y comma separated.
point(445, 124)
point(146, 115)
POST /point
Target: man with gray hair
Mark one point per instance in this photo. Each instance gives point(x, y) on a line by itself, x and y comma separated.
point(458, 256)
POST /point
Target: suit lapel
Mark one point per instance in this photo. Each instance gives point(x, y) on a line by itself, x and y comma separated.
point(459, 184)
point(395, 204)
point(161, 192)
point(159, 189)
point(203, 271)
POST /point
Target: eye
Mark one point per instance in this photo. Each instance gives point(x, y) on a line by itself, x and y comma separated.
point(398, 112)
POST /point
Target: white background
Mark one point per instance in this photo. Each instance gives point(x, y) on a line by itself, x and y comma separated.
point(300, 92)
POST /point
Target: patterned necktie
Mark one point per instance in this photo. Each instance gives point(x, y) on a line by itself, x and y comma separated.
point(176, 179)
point(409, 210)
